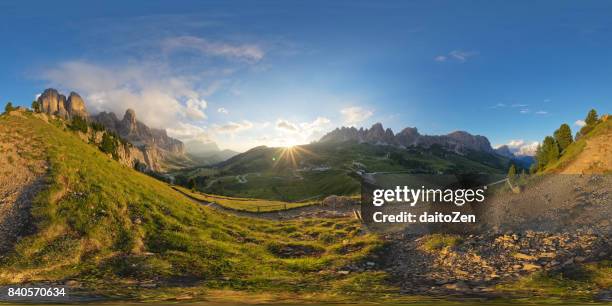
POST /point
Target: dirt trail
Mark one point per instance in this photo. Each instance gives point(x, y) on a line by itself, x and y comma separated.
point(22, 168)
point(311, 211)
point(596, 156)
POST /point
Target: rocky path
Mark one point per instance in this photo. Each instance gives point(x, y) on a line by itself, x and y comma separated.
point(22, 167)
point(555, 224)
point(478, 262)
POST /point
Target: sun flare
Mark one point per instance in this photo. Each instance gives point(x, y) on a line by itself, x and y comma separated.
point(292, 154)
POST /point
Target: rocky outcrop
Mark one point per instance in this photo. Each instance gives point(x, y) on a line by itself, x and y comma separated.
point(139, 134)
point(75, 106)
point(53, 103)
point(147, 148)
point(459, 141)
point(150, 146)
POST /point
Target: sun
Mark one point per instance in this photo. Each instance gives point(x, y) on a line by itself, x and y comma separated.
point(291, 154)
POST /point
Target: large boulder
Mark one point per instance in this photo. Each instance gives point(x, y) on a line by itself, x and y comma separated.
point(75, 106)
point(51, 101)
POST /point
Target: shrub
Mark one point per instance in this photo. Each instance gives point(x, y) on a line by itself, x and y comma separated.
point(109, 145)
point(98, 127)
point(78, 124)
point(9, 107)
point(35, 106)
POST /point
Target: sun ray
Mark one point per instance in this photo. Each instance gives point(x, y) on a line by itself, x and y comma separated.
point(291, 155)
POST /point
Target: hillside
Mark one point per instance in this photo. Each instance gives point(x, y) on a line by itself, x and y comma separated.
point(73, 215)
point(117, 232)
point(326, 168)
point(592, 153)
point(151, 150)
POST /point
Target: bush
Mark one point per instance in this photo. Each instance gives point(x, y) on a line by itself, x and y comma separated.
point(109, 145)
point(98, 127)
point(36, 106)
point(78, 124)
point(9, 107)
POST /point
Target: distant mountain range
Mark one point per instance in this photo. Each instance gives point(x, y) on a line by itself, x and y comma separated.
point(523, 161)
point(207, 153)
point(459, 142)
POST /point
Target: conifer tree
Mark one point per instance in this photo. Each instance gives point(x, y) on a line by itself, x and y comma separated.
point(35, 106)
point(591, 118)
point(563, 137)
point(547, 153)
point(9, 107)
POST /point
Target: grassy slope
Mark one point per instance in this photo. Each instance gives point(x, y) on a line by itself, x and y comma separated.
point(107, 225)
point(579, 282)
point(577, 147)
point(244, 204)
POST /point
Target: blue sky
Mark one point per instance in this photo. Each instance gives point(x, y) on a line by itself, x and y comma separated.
point(285, 72)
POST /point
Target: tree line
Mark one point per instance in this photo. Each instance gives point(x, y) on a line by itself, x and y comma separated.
point(553, 147)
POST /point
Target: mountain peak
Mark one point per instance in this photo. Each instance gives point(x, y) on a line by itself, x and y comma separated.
point(53, 103)
point(129, 117)
point(457, 141)
point(377, 127)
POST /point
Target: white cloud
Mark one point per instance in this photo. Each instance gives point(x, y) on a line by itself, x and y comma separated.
point(541, 112)
point(355, 114)
point(222, 110)
point(285, 125)
point(315, 125)
point(456, 55)
point(580, 123)
point(520, 147)
point(519, 105)
point(188, 132)
point(515, 143)
point(462, 56)
point(498, 105)
point(528, 149)
point(248, 52)
point(233, 127)
point(159, 98)
point(195, 109)
point(524, 111)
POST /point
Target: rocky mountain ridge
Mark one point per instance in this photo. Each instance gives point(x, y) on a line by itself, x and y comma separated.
point(138, 133)
point(148, 147)
point(459, 141)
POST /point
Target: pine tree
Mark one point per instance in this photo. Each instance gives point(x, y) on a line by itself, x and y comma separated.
point(35, 106)
point(9, 107)
point(591, 118)
point(109, 144)
point(551, 149)
point(563, 137)
point(512, 173)
point(78, 124)
point(547, 153)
